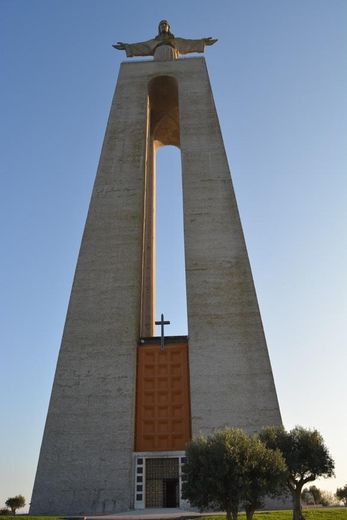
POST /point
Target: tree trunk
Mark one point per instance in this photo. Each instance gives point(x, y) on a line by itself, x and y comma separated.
point(229, 514)
point(297, 511)
point(235, 512)
point(249, 512)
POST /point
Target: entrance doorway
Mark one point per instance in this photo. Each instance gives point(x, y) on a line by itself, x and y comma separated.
point(162, 482)
point(170, 492)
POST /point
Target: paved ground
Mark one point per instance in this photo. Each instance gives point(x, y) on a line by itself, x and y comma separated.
point(152, 514)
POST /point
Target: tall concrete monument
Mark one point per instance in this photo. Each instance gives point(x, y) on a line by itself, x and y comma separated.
point(124, 402)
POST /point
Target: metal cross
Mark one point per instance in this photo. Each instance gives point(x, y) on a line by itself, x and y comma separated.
point(162, 323)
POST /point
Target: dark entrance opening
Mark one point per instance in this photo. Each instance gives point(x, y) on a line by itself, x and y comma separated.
point(162, 482)
point(170, 492)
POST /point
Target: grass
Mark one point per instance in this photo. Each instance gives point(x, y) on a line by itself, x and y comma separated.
point(316, 514)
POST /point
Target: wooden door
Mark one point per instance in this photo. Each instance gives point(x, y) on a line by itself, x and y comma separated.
point(162, 398)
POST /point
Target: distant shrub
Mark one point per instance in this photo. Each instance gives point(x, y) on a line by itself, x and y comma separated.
point(307, 498)
point(328, 499)
point(341, 494)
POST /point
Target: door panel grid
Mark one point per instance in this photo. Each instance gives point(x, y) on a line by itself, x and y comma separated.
point(162, 398)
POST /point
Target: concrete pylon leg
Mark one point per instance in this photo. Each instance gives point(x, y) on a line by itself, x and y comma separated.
point(231, 380)
point(85, 463)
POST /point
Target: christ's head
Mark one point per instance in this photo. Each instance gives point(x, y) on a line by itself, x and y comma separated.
point(164, 27)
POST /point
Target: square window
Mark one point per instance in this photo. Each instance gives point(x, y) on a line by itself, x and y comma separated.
point(139, 496)
point(139, 488)
point(139, 479)
point(140, 460)
point(140, 470)
point(183, 460)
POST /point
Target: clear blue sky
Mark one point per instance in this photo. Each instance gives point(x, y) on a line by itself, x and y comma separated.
point(279, 75)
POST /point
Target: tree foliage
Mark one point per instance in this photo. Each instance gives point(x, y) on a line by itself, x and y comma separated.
point(306, 456)
point(15, 503)
point(341, 494)
point(316, 496)
point(307, 498)
point(265, 473)
point(328, 499)
point(314, 492)
point(231, 468)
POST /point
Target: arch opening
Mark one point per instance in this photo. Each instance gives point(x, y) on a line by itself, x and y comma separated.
point(171, 297)
point(163, 278)
point(164, 116)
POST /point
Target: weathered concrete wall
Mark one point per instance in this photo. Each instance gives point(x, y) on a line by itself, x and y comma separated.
point(86, 454)
point(85, 464)
point(231, 380)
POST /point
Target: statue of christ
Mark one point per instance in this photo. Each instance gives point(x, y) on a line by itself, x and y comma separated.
point(165, 46)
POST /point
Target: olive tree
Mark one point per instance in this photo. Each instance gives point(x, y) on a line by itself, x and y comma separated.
point(15, 503)
point(306, 456)
point(230, 469)
point(265, 474)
